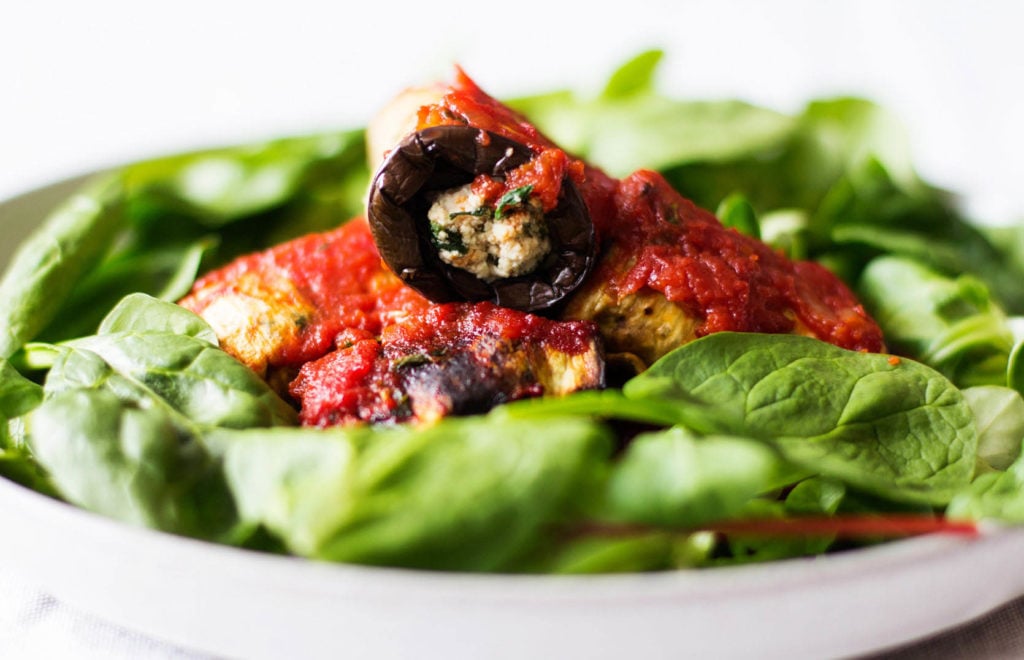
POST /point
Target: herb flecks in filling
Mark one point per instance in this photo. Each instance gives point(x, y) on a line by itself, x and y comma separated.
point(508, 240)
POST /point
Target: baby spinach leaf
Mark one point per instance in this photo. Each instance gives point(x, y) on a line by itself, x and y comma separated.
point(296, 483)
point(992, 496)
point(651, 130)
point(950, 324)
point(139, 313)
point(18, 395)
point(635, 76)
point(219, 186)
point(675, 478)
point(598, 552)
point(130, 463)
point(736, 212)
point(892, 427)
point(999, 417)
point(18, 465)
point(870, 212)
point(151, 350)
point(815, 497)
point(165, 271)
point(153, 225)
point(43, 271)
point(1015, 367)
point(200, 381)
point(464, 494)
point(601, 404)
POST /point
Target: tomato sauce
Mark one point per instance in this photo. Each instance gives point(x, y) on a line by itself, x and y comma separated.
point(467, 104)
point(656, 239)
point(341, 275)
point(543, 174)
point(454, 357)
point(370, 343)
point(662, 241)
point(450, 324)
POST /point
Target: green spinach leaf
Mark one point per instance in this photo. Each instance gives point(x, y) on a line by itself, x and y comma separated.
point(18, 396)
point(999, 417)
point(951, 324)
point(630, 126)
point(200, 381)
point(892, 427)
point(130, 463)
point(676, 479)
point(139, 313)
point(992, 496)
point(465, 494)
point(44, 270)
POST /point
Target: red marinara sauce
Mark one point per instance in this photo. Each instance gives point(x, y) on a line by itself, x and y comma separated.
point(467, 104)
point(340, 276)
point(731, 281)
point(655, 238)
point(347, 385)
point(475, 355)
point(451, 324)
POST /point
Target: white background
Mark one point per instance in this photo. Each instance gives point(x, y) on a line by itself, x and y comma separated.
point(86, 84)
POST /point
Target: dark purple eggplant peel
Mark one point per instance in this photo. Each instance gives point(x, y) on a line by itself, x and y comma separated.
point(444, 157)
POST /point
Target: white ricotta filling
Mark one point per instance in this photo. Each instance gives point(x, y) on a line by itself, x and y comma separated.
point(469, 237)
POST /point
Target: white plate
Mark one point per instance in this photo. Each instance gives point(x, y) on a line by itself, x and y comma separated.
point(237, 603)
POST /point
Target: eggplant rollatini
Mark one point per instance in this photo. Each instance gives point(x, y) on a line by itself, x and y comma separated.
point(666, 271)
point(494, 266)
point(322, 319)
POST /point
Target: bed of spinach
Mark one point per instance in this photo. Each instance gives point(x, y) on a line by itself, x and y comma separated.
point(118, 401)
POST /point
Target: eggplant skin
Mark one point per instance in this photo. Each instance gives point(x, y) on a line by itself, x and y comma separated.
point(461, 359)
point(343, 349)
point(488, 372)
point(440, 158)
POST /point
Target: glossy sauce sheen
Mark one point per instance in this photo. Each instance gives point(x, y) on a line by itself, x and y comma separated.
point(371, 349)
point(367, 348)
point(467, 104)
point(453, 358)
point(340, 275)
point(730, 280)
point(655, 239)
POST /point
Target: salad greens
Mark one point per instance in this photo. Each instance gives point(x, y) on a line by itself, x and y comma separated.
point(893, 427)
point(117, 400)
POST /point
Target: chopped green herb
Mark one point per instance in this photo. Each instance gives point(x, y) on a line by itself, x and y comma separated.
point(446, 240)
point(512, 199)
point(476, 213)
point(414, 360)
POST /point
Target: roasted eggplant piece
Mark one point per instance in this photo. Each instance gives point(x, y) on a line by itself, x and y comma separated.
point(438, 230)
point(670, 273)
point(323, 320)
point(667, 271)
point(278, 309)
point(628, 267)
point(456, 359)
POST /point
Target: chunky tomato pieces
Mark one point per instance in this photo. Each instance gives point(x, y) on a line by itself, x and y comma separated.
point(323, 318)
point(730, 281)
point(455, 358)
point(656, 240)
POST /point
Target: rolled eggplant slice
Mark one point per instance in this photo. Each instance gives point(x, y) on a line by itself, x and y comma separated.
point(516, 253)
